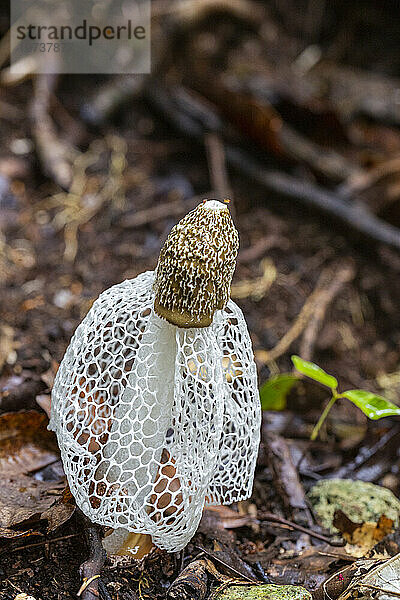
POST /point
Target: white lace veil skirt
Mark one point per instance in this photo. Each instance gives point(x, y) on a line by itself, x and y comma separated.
point(154, 421)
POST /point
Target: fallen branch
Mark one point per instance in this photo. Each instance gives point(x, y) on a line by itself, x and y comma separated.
point(55, 155)
point(327, 295)
point(353, 215)
point(191, 583)
point(324, 290)
point(194, 120)
point(350, 470)
point(262, 124)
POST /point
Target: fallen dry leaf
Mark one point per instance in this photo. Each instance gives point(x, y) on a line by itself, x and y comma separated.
point(25, 443)
point(362, 537)
point(308, 567)
point(26, 446)
point(227, 518)
point(48, 376)
point(217, 522)
point(60, 511)
point(23, 498)
point(378, 579)
point(44, 401)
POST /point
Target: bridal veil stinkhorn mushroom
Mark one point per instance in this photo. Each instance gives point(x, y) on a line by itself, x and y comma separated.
point(155, 403)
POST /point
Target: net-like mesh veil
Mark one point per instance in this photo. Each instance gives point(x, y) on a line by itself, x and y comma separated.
point(155, 421)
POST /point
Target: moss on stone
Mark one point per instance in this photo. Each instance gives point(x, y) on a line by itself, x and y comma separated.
point(264, 592)
point(359, 500)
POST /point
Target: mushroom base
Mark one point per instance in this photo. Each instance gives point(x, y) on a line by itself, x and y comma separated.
point(121, 542)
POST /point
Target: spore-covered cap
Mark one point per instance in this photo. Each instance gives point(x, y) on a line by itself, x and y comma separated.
point(196, 266)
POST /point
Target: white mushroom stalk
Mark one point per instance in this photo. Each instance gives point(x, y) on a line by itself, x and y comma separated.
point(155, 403)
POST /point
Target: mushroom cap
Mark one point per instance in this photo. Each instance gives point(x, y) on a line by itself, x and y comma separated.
point(196, 266)
point(154, 421)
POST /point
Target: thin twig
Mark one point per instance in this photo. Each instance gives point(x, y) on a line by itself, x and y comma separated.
point(266, 516)
point(366, 453)
point(42, 543)
point(223, 563)
point(160, 211)
point(324, 287)
point(326, 297)
point(379, 589)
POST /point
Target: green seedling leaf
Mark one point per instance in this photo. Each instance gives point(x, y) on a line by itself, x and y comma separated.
point(314, 372)
point(375, 407)
point(273, 393)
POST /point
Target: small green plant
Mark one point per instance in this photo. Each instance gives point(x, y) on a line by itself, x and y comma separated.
point(273, 394)
point(373, 406)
